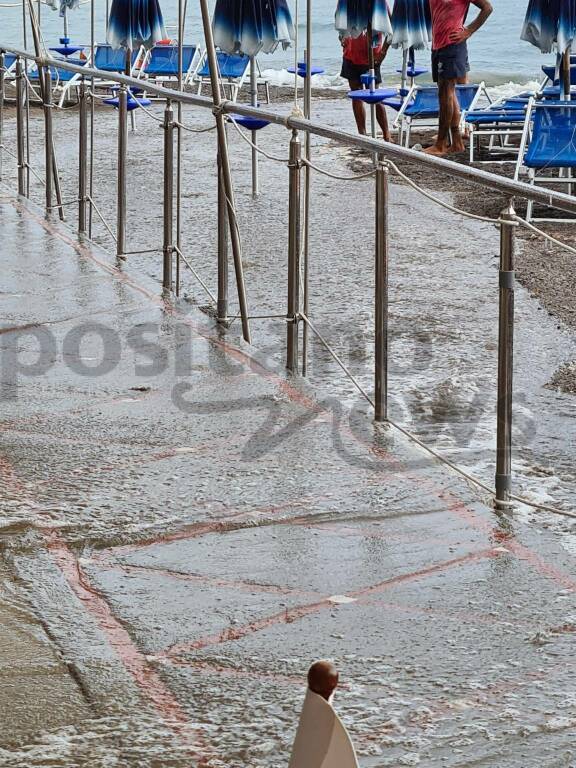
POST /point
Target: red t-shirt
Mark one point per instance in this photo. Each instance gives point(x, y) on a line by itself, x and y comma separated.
point(447, 16)
point(356, 49)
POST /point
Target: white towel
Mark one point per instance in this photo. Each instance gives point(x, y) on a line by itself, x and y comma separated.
point(321, 741)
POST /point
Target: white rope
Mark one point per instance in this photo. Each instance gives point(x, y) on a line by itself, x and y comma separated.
point(194, 130)
point(437, 200)
point(337, 176)
point(283, 160)
point(524, 223)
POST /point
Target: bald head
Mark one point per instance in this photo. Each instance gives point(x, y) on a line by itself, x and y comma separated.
point(323, 678)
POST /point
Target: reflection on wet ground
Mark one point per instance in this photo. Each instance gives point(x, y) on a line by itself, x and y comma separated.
point(185, 531)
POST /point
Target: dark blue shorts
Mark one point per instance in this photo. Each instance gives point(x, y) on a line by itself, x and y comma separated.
point(451, 62)
point(353, 72)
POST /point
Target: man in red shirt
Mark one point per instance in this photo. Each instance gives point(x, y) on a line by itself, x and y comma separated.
point(450, 64)
point(356, 63)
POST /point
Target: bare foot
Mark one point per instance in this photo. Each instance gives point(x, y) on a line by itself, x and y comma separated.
point(436, 151)
point(456, 149)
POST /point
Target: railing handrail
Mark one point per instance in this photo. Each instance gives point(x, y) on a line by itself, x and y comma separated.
point(509, 187)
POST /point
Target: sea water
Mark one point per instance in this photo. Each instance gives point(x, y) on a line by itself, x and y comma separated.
point(497, 54)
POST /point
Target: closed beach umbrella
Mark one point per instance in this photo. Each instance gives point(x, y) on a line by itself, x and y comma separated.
point(550, 24)
point(411, 24)
point(133, 23)
point(353, 17)
point(252, 26)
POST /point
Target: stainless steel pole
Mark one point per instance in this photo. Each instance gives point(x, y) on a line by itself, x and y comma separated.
point(254, 102)
point(505, 359)
point(46, 95)
point(168, 242)
point(381, 297)
point(121, 191)
point(226, 173)
point(92, 88)
point(307, 182)
point(293, 314)
point(222, 306)
point(83, 161)
point(48, 136)
point(2, 75)
point(20, 127)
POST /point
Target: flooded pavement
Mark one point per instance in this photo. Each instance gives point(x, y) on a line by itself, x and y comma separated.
point(184, 529)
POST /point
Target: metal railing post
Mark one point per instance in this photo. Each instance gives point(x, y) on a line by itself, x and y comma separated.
point(505, 359)
point(222, 305)
point(2, 80)
point(83, 161)
point(294, 247)
point(20, 138)
point(48, 137)
point(381, 296)
point(168, 241)
point(121, 191)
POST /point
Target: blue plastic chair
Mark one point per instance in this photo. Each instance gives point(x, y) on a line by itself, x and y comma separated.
point(162, 62)
point(232, 68)
point(9, 61)
point(63, 80)
point(110, 60)
point(549, 143)
point(422, 104)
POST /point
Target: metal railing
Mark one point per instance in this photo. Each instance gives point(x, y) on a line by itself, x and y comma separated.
point(229, 233)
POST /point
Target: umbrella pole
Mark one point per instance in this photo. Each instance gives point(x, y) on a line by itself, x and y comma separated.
point(404, 79)
point(226, 173)
point(369, 36)
point(65, 22)
point(307, 182)
point(2, 81)
point(181, 16)
point(254, 102)
point(566, 79)
point(92, 88)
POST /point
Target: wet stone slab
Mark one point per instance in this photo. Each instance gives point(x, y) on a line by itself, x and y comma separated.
point(192, 538)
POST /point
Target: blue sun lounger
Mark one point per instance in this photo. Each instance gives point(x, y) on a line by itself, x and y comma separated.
point(500, 122)
point(62, 79)
point(110, 60)
point(233, 70)
point(161, 62)
point(548, 144)
point(421, 104)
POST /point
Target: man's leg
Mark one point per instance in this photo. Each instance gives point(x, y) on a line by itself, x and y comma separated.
point(358, 107)
point(446, 97)
point(383, 121)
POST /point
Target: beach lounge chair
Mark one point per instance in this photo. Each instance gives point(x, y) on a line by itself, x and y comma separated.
point(233, 70)
point(548, 144)
point(9, 63)
point(500, 122)
point(422, 105)
point(161, 63)
point(63, 81)
point(110, 60)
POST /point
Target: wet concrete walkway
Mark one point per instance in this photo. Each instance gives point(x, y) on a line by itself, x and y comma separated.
point(184, 530)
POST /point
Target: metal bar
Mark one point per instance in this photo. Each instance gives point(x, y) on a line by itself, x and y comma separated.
point(226, 173)
point(2, 80)
point(20, 128)
point(254, 103)
point(381, 297)
point(83, 161)
point(46, 93)
point(505, 359)
point(293, 313)
point(307, 184)
point(168, 242)
point(48, 136)
point(121, 202)
point(222, 303)
point(509, 187)
point(92, 85)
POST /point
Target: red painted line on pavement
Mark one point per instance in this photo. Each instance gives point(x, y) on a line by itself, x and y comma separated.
point(290, 615)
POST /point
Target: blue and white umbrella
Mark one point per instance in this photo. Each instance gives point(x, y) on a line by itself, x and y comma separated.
point(63, 5)
point(133, 23)
point(353, 17)
point(550, 25)
point(411, 24)
point(252, 26)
